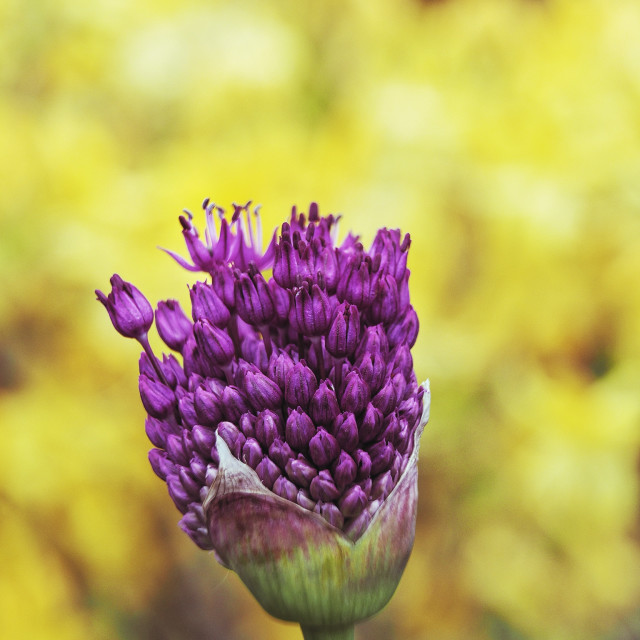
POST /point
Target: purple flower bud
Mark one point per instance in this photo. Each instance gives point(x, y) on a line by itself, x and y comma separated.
point(285, 489)
point(239, 368)
point(173, 372)
point(214, 385)
point(385, 400)
point(323, 488)
point(304, 500)
point(300, 471)
point(145, 368)
point(374, 340)
point(285, 266)
point(204, 439)
point(172, 324)
point(253, 300)
point(253, 350)
point(402, 263)
point(323, 448)
point(366, 485)
point(157, 398)
point(391, 428)
point(130, 312)
point(189, 444)
point(247, 425)
point(396, 265)
point(403, 293)
point(191, 524)
point(268, 472)
point(344, 470)
point(401, 361)
point(326, 263)
point(386, 247)
point(311, 311)
point(194, 381)
point(330, 513)
point(385, 304)
point(160, 463)
point(174, 445)
point(252, 452)
point(206, 305)
point(305, 258)
point(345, 430)
point(198, 468)
point(363, 460)
point(344, 333)
point(353, 502)
point(280, 452)
point(261, 391)
point(179, 495)
point(280, 363)
point(190, 484)
point(232, 436)
point(410, 409)
point(356, 393)
point(233, 403)
point(223, 283)
point(299, 429)
point(281, 302)
point(371, 424)
point(324, 405)
point(300, 385)
point(214, 344)
point(405, 331)
point(192, 358)
point(186, 409)
point(156, 431)
point(381, 454)
point(207, 406)
point(354, 284)
point(373, 370)
point(382, 486)
point(268, 427)
point(400, 386)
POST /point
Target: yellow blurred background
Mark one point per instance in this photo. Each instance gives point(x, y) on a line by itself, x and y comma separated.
point(503, 134)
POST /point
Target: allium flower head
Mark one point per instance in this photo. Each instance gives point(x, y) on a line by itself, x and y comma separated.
point(286, 429)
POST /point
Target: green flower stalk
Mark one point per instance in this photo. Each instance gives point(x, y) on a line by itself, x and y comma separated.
point(288, 431)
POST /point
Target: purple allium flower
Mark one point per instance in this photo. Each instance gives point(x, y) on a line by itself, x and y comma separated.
point(130, 312)
point(295, 410)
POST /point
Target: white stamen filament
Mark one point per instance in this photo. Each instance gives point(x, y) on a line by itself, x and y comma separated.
point(256, 212)
point(211, 233)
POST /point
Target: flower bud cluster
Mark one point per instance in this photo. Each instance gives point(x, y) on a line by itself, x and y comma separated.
point(306, 375)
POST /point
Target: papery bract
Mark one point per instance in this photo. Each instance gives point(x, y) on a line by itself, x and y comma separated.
point(324, 577)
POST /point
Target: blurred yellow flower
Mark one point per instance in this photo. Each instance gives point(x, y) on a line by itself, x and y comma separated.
point(503, 133)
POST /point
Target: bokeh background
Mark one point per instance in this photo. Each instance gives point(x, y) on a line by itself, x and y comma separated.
point(503, 134)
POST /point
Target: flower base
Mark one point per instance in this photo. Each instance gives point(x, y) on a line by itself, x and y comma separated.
point(328, 633)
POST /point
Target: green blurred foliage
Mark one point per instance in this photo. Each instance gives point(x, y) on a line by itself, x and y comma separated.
point(503, 134)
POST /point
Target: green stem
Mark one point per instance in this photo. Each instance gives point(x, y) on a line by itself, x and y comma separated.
point(328, 633)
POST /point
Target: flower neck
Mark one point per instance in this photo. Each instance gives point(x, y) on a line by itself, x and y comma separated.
point(328, 633)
